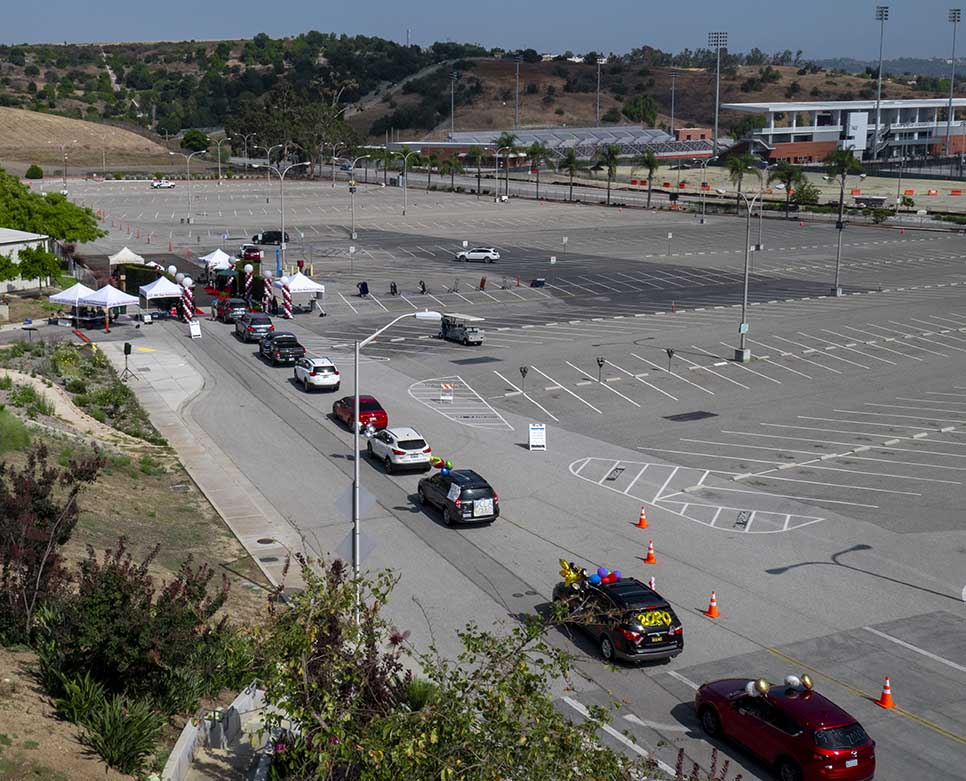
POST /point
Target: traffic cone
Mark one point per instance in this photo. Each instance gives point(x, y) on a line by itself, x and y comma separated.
point(642, 521)
point(885, 701)
point(712, 611)
point(650, 558)
point(801, 223)
point(651, 584)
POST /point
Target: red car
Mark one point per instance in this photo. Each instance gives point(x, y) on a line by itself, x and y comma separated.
point(370, 412)
point(250, 252)
point(790, 727)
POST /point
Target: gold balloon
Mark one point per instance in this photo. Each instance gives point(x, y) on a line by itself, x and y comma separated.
point(762, 686)
point(570, 573)
point(807, 682)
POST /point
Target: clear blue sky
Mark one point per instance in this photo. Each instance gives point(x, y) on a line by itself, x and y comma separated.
point(822, 28)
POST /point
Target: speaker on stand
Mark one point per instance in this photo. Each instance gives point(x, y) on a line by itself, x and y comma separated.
point(127, 372)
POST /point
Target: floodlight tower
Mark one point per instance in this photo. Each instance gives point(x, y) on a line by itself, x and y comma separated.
point(717, 42)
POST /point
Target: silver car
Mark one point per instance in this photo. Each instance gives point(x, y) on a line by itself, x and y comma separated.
point(482, 254)
point(251, 327)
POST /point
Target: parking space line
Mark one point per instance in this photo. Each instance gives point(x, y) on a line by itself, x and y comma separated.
point(916, 649)
point(348, 304)
point(819, 350)
point(686, 681)
point(858, 422)
point(847, 347)
point(712, 371)
point(673, 374)
point(896, 415)
point(785, 353)
point(602, 384)
point(882, 347)
point(917, 347)
point(567, 390)
point(644, 382)
point(926, 409)
point(801, 498)
point(740, 366)
point(527, 396)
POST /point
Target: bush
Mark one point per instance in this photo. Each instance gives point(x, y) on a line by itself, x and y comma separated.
point(82, 697)
point(123, 733)
point(6, 383)
point(13, 433)
point(34, 172)
point(32, 402)
point(76, 385)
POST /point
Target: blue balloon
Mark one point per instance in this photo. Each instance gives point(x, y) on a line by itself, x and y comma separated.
point(602, 572)
point(444, 470)
point(595, 579)
point(617, 574)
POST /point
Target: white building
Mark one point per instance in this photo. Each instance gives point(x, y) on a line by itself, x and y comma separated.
point(11, 242)
point(807, 132)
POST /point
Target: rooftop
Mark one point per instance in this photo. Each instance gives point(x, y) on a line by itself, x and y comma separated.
point(11, 236)
point(841, 105)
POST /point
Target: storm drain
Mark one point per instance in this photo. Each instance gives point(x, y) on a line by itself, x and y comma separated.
point(685, 417)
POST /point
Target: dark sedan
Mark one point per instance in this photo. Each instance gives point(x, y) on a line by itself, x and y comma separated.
point(281, 347)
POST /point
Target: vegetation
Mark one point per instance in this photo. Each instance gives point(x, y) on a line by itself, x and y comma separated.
point(570, 164)
point(451, 165)
point(51, 214)
point(649, 162)
point(789, 175)
point(642, 108)
point(738, 166)
point(34, 172)
point(538, 154)
point(475, 156)
point(839, 164)
point(608, 159)
point(195, 141)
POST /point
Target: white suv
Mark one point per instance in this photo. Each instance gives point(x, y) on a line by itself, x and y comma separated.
point(317, 373)
point(162, 184)
point(399, 448)
point(483, 254)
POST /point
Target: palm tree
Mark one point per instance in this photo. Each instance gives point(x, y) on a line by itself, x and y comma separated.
point(507, 141)
point(649, 161)
point(538, 155)
point(475, 156)
point(451, 165)
point(789, 175)
point(384, 156)
point(839, 163)
point(738, 166)
point(429, 161)
point(570, 164)
point(608, 158)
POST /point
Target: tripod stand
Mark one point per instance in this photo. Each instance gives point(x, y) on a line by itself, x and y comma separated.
point(127, 372)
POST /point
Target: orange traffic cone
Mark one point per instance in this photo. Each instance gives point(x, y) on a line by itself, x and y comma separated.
point(642, 521)
point(885, 701)
point(712, 611)
point(650, 558)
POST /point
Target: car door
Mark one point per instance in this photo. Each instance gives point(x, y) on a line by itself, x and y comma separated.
point(380, 443)
point(342, 407)
point(755, 727)
point(301, 369)
point(439, 487)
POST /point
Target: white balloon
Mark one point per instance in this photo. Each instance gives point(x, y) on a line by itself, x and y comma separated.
point(172, 270)
point(750, 689)
point(178, 277)
point(793, 681)
point(249, 268)
point(187, 282)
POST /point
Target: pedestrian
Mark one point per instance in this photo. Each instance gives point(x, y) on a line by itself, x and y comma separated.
point(274, 306)
point(422, 286)
point(393, 290)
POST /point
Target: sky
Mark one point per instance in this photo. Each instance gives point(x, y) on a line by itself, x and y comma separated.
point(821, 28)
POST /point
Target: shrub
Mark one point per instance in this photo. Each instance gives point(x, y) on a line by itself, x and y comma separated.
point(76, 385)
point(32, 402)
point(123, 733)
point(34, 172)
point(6, 383)
point(150, 466)
point(82, 697)
point(13, 433)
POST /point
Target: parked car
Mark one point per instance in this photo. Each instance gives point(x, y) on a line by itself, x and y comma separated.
point(162, 184)
point(269, 237)
point(250, 252)
point(228, 310)
point(252, 326)
point(280, 347)
point(626, 619)
point(400, 448)
point(483, 254)
point(792, 728)
point(317, 373)
point(370, 412)
point(462, 495)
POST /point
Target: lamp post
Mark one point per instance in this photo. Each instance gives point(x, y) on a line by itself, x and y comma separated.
point(335, 147)
point(419, 315)
point(674, 77)
point(954, 17)
point(280, 173)
point(244, 137)
point(704, 172)
point(840, 225)
point(352, 192)
point(600, 61)
point(743, 354)
point(406, 180)
point(453, 78)
point(268, 160)
point(496, 190)
point(881, 16)
point(63, 155)
point(218, 144)
point(516, 96)
point(187, 164)
point(717, 41)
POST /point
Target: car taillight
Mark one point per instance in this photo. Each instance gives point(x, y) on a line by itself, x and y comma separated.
point(250, 328)
point(676, 630)
point(278, 354)
point(271, 328)
point(312, 373)
point(496, 497)
point(396, 452)
point(336, 372)
point(458, 502)
point(428, 450)
point(629, 635)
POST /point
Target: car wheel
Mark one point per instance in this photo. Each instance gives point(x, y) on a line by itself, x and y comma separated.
point(387, 461)
point(447, 517)
point(466, 342)
point(421, 496)
point(336, 387)
point(606, 648)
point(789, 771)
point(710, 722)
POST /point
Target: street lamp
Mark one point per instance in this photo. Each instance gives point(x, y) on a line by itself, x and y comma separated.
point(840, 225)
point(423, 315)
point(335, 147)
point(742, 353)
point(280, 173)
point(704, 172)
point(954, 17)
point(244, 137)
point(268, 159)
point(63, 154)
point(218, 144)
point(717, 41)
point(352, 191)
point(187, 163)
point(516, 97)
point(496, 190)
point(600, 61)
point(881, 16)
point(406, 179)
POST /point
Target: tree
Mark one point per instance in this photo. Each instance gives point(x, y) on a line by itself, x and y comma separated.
point(839, 163)
point(195, 140)
point(384, 156)
point(747, 125)
point(570, 164)
point(37, 263)
point(475, 156)
point(642, 108)
point(451, 165)
point(607, 159)
point(538, 154)
point(806, 194)
point(52, 215)
point(34, 172)
point(649, 161)
point(738, 166)
point(507, 142)
point(790, 176)
point(430, 161)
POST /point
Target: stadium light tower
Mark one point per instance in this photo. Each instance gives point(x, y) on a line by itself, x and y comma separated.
point(954, 16)
point(717, 41)
point(516, 97)
point(881, 16)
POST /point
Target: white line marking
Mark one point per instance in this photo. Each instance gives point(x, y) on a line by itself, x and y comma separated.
point(686, 681)
point(654, 724)
point(526, 396)
point(673, 374)
point(567, 390)
point(917, 649)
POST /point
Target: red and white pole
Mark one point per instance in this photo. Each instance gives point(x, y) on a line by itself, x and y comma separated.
point(266, 291)
point(287, 301)
point(187, 300)
point(248, 283)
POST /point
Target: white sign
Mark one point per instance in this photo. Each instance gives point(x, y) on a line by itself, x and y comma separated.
point(194, 329)
point(352, 250)
point(670, 235)
point(553, 259)
point(538, 436)
point(465, 244)
point(454, 492)
point(564, 239)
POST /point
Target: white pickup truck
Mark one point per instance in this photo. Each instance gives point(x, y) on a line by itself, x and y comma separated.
point(162, 184)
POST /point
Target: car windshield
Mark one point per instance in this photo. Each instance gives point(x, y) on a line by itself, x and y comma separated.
point(411, 444)
point(478, 492)
point(286, 342)
point(323, 369)
point(261, 321)
point(841, 737)
point(369, 406)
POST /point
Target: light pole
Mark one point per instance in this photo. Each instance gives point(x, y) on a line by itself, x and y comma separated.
point(840, 225)
point(268, 160)
point(406, 180)
point(63, 155)
point(496, 189)
point(245, 137)
point(954, 18)
point(453, 78)
point(881, 16)
point(704, 172)
point(187, 164)
point(280, 173)
point(600, 61)
point(352, 192)
point(717, 41)
point(743, 354)
point(674, 77)
point(516, 96)
point(218, 144)
point(335, 147)
point(423, 315)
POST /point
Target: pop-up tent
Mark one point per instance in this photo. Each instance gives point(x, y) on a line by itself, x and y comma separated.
point(125, 256)
point(299, 283)
point(162, 287)
point(216, 260)
point(72, 295)
point(108, 297)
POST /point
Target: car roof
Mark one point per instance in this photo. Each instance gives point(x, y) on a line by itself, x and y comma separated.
point(319, 361)
point(257, 316)
point(811, 709)
point(404, 432)
point(284, 335)
point(467, 478)
point(631, 593)
point(241, 301)
point(363, 399)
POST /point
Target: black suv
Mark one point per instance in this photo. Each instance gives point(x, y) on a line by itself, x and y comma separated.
point(269, 237)
point(627, 619)
point(230, 309)
point(462, 495)
point(281, 347)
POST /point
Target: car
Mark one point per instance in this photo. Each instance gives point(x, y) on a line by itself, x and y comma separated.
point(462, 495)
point(253, 326)
point(627, 620)
point(791, 727)
point(230, 309)
point(269, 237)
point(483, 254)
point(162, 184)
point(400, 448)
point(250, 252)
point(317, 373)
point(371, 412)
point(280, 347)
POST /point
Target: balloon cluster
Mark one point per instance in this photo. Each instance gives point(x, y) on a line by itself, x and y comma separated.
point(571, 573)
point(445, 467)
point(605, 576)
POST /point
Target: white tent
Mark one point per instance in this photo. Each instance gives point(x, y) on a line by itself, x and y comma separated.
point(109, 297)
point(125, 256)
point(299, 283)
point(217, 260)
point(162, 287)
point(72, 295)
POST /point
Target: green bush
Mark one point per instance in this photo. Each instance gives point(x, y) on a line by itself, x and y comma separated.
point(76, 385)
point(82, 697)
point(150, 466)
point(34, 172)
point(123, 733)
point(33, 403)
point(6, 383)
point(13, 433)
point(99, 415)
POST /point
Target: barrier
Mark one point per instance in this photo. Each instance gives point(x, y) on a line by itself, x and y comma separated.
point(955, 192)
point(909, 192)
point(855, 191)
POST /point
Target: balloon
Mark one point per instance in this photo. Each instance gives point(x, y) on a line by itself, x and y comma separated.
point(449, 464)
point(617, 574)
point(750, 689)
point(595, 579)
point(172, 270)
point(609, 578)
point(807, 682)
point(602, 571)
point(439, 463)
point(444, 471)
point(793, 681)
point(762, 686)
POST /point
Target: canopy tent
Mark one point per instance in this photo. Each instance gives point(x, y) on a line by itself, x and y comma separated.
point(109, 297)
point(299, 283)
point(162, 287)
point(217, 260)
point(125, 256)
point(71, 296)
